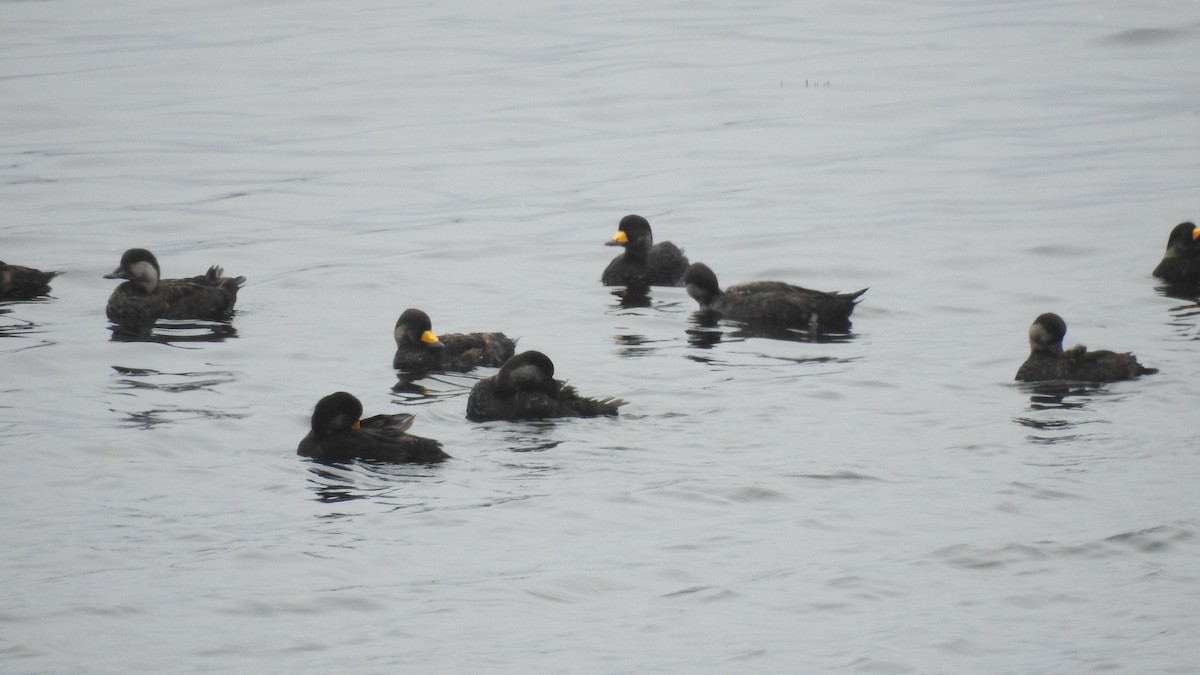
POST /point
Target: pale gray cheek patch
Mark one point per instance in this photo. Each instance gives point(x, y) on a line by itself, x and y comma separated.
point(145, 273)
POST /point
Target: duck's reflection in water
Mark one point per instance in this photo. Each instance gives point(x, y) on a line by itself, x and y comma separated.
point(139, 383)
point(174, 333)
point(362, 479)
point(708, 329)
point(1071, 399)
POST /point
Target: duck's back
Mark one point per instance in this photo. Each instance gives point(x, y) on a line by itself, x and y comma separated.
point(486, 403)
point(1103, 365)
point(468, 350)
point(23, 283)
point(777, 301)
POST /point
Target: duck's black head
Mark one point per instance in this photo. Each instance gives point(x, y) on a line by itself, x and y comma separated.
point(701, 283)
point(527, 370)
point(414, 329)
point(139, 266)
point(337, 412)
point(633, 233)
point(1047, 333)
point(1185, 236)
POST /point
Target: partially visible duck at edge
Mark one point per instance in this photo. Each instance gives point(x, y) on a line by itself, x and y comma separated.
point(146, 297)
point(643, 263)
point(1181, 261)
point(418, 348)
point(1048, 361)
point(23, 283)
point(771, 301)
point(339, 434)
point(525, 388)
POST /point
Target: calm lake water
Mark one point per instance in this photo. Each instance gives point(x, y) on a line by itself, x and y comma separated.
point(886, 502)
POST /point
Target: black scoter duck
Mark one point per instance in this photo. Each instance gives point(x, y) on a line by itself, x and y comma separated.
point(771, 301)
point(643, 263)
point(145, 298)
point(1048, 361)
point(419, 349)
point(23, 283)
point(1181, 262)
point(525, 388)
point(340, 435)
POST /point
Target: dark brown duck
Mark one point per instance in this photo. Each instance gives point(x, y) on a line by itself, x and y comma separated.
point(525, 388)
point(339, 434)
point(771, 301)
point(643, 263)
point(146, 298)
point(1048, 361)
point(418, 348)
point(1181, 261)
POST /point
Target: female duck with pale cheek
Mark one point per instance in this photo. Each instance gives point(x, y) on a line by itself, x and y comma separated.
point(1048, 361)
point(643, 263)
point(419, 349)
point(1181, 262)
point(339, 434)
point(146, 297)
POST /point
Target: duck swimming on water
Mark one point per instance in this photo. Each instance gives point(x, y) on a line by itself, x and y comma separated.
point(418, 348)
point(340, 435)
point(771, 301)
point(525, 388)
point(146, 298)
point(643, 263)
point(1181, 262)
point(1048, 361)
point(23, 283)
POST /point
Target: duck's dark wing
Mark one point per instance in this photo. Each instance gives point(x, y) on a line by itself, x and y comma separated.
point(1103, 365)
point(187, 299)
point(569, 403)
point(528, 404)
point(666, 266)
point(467, 350)
point(393, 424)
point(778, 302)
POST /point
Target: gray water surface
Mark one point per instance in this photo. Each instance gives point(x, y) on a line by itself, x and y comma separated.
point(888, 501)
